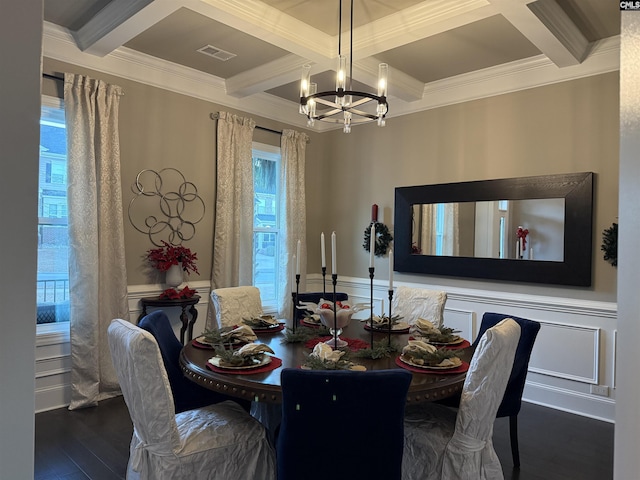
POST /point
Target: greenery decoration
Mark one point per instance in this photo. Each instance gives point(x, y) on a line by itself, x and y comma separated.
point(380, 349)
point(302, 334)
point(383, 238)
point(610, 244)
point(314, 363)
point(431, 358)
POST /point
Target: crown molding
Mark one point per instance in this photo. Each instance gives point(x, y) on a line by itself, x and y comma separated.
point(534, 72)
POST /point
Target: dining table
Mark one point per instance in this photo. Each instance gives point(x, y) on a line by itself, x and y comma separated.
point(265, 387)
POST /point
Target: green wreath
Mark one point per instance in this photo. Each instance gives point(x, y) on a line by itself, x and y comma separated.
point(383, 238)
point(610, 244)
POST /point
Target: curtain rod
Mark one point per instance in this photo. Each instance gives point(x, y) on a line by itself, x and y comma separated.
point(53, 77)
point(216, 116)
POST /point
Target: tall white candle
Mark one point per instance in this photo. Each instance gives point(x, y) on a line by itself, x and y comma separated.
point(298, 259)
point(324, 258)
point(372, 245)
point(334, 268)
point(390, 269)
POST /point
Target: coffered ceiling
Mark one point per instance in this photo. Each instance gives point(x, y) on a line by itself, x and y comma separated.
point(439, 51)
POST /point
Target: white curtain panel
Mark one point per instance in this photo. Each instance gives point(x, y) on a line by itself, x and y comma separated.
point(97, 270)
point(293, 216)
point(233, 235)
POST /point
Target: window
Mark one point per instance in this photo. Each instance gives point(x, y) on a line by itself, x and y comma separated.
point(53, 270)
point(266, 227)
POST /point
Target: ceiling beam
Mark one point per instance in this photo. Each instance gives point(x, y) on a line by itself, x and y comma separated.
point(119, 22)
point(548, 27)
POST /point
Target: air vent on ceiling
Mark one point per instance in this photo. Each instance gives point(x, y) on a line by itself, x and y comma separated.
point(216, 52)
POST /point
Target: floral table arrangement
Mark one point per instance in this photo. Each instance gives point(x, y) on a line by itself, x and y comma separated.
point(174, 260)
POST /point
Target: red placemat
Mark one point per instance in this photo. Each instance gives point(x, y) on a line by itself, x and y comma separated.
point(259, 331)
point(457, 346)
point(461, 369)
point(204, 346)
point(353, 343)
point(272, 365)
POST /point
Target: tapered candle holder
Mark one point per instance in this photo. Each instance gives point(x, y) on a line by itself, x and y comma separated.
point(294, 301)
point(371, 275)
point(334, 280)
point(295, 319)
point(389, 326)
point(324, 283)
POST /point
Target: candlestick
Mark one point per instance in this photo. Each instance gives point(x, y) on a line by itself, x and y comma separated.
point(371, 275)
point(295, 318)
point(293, 272)
point(390, 270)
point(334, 280)
point(390, 306)
point(372, 245)
point(324, 259)
point(298, 259)
point(334, 268)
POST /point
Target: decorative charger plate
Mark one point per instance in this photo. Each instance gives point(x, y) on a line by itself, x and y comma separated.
point(428, 367)
point(265, 360)
point(455, 341)
point(400, 327)
point(311, 323)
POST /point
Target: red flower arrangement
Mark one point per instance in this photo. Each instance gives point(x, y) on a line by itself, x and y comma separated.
point(522, 233)
point(173, 294)
point(164, 257)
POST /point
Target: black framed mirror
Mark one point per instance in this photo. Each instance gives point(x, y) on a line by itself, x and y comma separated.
point(528, 229)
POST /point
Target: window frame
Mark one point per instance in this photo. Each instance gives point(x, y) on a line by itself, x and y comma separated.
point(272, 153)
point(57, 331)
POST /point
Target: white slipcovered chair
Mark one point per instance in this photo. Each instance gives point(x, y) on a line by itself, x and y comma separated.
point(413, 303)
point(231, 304)
point(220, 441)
point(440, 444)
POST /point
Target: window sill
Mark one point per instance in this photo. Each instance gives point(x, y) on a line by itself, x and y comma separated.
point(52, 333)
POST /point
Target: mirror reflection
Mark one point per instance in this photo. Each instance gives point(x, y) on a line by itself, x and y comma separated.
point(531, 229)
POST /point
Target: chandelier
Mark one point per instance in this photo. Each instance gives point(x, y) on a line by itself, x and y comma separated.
point(344, 105)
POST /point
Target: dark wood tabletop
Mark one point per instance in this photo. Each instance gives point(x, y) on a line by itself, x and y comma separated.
point(265, 387)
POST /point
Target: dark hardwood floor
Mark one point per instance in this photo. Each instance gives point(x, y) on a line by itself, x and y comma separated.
point(94, 444)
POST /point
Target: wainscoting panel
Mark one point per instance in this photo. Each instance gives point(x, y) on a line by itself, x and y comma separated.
point(575, 349)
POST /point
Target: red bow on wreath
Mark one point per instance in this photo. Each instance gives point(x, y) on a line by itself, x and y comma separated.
point(522, 233)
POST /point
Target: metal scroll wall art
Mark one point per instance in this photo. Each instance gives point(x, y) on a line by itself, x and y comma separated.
point(165, 206)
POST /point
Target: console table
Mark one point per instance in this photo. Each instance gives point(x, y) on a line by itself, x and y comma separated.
point(183, 303)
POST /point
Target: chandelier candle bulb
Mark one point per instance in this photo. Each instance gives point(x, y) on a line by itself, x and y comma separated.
point(334, 269)
point(324, 258)
point(383, 74)
point(372, 246)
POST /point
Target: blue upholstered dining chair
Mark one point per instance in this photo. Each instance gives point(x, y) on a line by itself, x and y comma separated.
point(187, 395)
point(512, 400)
point(342, 425)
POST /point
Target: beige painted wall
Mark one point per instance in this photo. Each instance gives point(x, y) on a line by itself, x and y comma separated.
point(161, 129)
point(561, 128)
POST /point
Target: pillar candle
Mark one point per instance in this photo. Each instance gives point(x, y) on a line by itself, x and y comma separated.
point(324, 258)
point(390, 269)
point(372, 245)
point(298, 259)
point(334, 268)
